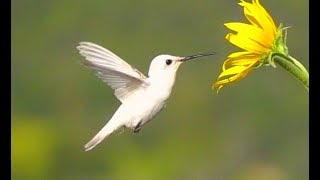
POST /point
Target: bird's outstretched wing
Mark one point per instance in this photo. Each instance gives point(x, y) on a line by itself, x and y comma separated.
point(123, 78)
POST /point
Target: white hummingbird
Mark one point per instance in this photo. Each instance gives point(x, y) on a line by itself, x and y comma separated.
point(141, 97)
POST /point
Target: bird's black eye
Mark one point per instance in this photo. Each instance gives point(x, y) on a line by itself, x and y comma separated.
point(168, 61)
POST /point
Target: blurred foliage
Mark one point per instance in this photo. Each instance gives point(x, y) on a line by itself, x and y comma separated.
point(254, 129)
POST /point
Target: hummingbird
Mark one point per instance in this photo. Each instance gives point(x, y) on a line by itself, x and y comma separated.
point(141, 97)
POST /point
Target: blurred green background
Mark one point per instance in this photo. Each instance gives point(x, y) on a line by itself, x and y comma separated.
point(254, 129)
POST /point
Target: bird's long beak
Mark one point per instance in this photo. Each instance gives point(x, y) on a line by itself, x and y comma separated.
point(186, 58)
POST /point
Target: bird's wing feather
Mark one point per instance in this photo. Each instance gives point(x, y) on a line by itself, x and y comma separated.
point(119, 75)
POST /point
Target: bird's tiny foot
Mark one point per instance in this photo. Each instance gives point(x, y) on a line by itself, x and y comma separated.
point(121, 130)
point(137, 128)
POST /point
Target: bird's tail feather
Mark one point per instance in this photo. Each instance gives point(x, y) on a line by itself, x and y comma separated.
point(108, 129)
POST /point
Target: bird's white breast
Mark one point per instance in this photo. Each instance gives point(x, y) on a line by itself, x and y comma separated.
point(145, 105)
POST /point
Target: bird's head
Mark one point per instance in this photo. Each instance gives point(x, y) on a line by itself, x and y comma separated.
point(167, 65)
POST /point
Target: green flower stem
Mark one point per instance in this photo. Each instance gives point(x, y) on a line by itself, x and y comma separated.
point(293, 66)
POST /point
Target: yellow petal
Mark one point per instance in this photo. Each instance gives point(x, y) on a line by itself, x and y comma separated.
point(221, 82)
point(246, 44)
point(241, 58)
point(259, 17)
point(251, 32)
point(232, 71)
point(238, 54)
point(239, 62)
point(234, 78)
point(270, 20)
point(261, 22)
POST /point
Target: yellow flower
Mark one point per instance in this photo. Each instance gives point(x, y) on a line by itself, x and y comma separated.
point(258, 39)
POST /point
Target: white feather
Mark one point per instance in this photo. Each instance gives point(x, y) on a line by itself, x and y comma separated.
point(119, 75)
